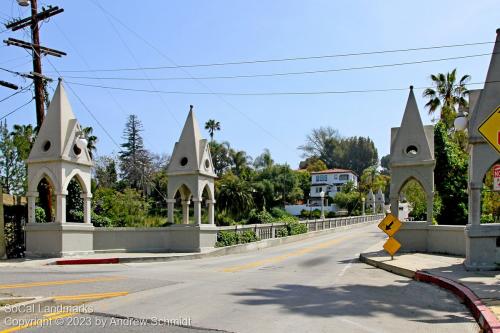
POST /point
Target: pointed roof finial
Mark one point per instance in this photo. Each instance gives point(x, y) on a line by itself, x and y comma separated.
point(411, 87)
point(191, 108)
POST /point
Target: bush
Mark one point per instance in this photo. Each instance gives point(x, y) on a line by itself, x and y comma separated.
point(260, 217)
point(279, 213)
point(314, 214)
point(223, 219)
point(40, 216)
point(228, 238)
point(330, 215)
point(247, 237)
point(487, 218)
point(282, 232)
point(295, 228)
point(97, 220)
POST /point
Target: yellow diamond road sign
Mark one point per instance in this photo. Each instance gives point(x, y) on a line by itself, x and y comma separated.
point(390, 225)
point(490, 129)
point(392, 246)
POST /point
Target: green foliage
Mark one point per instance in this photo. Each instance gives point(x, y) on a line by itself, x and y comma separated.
point(450, 177)
point(310, 214)
point(487, 218)
point(211, 125)
point(490, 200)
point(261, 217)
point(295, 228)
point(282, 232)
point(74, 202)
point(12, 167)
point(222, 219)
point(350, 201)
point(40, 216)
point(234, 196)
point(355, 153)
point(229, 238)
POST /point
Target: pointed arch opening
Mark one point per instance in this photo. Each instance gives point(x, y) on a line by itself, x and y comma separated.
point(490, 199)
point(206, 198)
point(45, 209)
point(74, 200)
point(183, 207)
point(413, 201)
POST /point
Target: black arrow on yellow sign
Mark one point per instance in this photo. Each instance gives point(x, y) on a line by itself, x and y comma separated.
point(389, 226)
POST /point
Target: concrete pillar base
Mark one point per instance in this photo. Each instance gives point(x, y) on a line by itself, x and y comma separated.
point(482, 245)
point(59, 240)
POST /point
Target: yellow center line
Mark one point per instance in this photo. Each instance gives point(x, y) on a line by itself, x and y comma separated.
point(56, 283)
point(90, 296)
point(280, 258)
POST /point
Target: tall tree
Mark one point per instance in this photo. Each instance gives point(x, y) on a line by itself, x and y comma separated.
point(321, 143)
point(264, 160)
point(240, 161)
point(105, 172)
point(12, 167)
point(135, 161)
point(221, 157)
point(447, 95)
point(211, 125)
point(450, 177)
point(356, 153)
point(91, 140)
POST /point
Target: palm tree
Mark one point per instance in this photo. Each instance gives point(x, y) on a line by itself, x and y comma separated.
point(211, 125)
point(448, 94)
point(91, 140)
point(235, 196)
point(240, 161)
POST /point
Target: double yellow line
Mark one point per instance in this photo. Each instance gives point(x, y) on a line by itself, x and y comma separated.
point(280, 258)
point(57, 283)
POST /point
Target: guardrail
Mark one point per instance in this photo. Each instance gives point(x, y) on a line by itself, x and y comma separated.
point(268, 231)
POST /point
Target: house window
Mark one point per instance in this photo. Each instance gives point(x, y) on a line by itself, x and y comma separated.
point(319, 189)
point(344, 177)
point(339, 188)
point(321, 178)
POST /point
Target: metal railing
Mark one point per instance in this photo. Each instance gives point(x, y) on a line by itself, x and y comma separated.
point(268, 231)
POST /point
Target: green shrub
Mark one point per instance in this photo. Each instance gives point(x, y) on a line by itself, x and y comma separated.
point(261, 217)
point(330, 215)
point(223, 219)
point(282, 232)
point(279, 213)
point(40, 215)
point(487, 218)
point(295, 228)
point(228, 238)
point(247, 236)
point(97, 220)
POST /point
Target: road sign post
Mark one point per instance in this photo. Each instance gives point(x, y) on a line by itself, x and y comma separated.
point(390, 225)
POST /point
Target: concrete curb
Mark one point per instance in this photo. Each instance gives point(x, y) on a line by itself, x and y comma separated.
point(235, 249)
point(483, 315)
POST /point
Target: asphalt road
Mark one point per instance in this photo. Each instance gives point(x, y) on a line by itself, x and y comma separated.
point(316, 285)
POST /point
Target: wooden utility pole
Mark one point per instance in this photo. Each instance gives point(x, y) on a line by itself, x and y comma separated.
point(3, 243)
point(38, 79)
point(37, 65)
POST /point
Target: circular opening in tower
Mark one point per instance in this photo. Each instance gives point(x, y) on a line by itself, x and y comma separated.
point(411, 150)
point(207, 164)
point(46, 146)
point(76, 150)
point(184, 161)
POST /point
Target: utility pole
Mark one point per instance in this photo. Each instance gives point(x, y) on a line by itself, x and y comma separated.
point(36, 49)
point(38, 79)
point(37, 65)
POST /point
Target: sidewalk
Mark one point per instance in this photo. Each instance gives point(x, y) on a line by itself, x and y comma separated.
point(482, 289)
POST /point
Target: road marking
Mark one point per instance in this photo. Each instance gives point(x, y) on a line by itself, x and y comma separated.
point(280, 258)
point(342, 272)
point(90, 296)
point(56, 283)
point(41, 322)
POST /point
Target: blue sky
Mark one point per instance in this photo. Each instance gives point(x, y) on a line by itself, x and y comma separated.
point(197, 32)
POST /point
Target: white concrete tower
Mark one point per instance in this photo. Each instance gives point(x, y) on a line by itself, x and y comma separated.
point(190, 172)
point(412, 156)
point(58, 155)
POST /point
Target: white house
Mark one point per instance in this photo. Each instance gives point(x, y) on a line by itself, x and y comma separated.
point(330, 182)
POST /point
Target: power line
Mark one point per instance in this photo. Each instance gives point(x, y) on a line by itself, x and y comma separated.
point(259, 61)
point(283, 73)
point(332, 92)
point(17, 109)
point(17, 92)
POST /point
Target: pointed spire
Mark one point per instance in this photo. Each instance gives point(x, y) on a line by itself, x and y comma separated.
point(58, 131)
point(489, 98)
point(411, 139)
point(191, 152)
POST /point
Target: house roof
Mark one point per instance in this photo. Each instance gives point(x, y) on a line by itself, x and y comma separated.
point(333, 171)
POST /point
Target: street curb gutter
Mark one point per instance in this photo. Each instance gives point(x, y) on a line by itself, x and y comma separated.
point(483, 315)
point(235, 249)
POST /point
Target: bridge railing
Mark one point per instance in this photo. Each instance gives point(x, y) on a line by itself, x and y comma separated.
point(268, 231)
